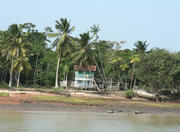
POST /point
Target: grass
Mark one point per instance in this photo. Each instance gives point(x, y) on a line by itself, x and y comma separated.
point(4, 94)
point(161, 105)
point(72, 100)
point(98, 101)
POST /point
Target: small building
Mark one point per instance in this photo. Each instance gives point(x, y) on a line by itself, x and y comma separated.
point(84, 76)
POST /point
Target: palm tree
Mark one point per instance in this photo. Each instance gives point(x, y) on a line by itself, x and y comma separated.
point(21, 64)
point(11, 46)
point(63, 42)
point(141, 46)
point(14, 44)
point(83, 54)
point(95, 29)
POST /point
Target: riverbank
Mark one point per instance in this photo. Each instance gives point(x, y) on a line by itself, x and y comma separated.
point(79, 102)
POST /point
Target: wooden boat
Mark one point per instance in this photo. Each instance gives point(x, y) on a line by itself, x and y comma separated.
point(143, 94)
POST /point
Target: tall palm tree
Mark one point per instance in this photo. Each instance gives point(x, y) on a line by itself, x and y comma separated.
point(63, 42)
point(141, 46)
point(95, 29)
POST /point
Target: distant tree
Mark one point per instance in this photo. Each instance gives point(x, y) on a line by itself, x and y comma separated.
point(83, 55)
point(12, 46)
point(95, 29)
point(39, 41)
point(141, 46)
point(157, 69)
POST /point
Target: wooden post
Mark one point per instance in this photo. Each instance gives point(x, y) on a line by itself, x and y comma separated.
point(84, 80)
point(111, 85)
point(96, 85)
point(118, 86)
point(125, 86)
point(134, 83)
point(66, 83)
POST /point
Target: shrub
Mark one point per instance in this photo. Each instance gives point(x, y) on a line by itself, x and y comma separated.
point(58, 90)
point(3, 84)
point(129, 94)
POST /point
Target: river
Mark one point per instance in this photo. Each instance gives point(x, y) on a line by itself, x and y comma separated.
point(38, 121)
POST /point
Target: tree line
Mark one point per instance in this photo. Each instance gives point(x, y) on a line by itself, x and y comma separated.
point(28, 59)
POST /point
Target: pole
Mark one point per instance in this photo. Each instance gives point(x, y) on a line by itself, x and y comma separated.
point(66, 83)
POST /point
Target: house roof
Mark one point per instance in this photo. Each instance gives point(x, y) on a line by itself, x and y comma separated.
point(85, 68)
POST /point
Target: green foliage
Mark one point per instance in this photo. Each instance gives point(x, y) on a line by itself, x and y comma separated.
point(158, 69)
point(129, 94)
point(124, 67)
point(83, 54)
point(141, 46)
point(3, 84)
point(58, 90)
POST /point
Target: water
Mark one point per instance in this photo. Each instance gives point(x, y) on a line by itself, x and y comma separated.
point(86, 122)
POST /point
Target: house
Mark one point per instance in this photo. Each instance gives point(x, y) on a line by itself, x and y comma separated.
point(84, 76)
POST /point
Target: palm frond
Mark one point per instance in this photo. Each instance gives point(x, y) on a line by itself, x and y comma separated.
point(59, 26)
point(52, 35)
point(54, 44)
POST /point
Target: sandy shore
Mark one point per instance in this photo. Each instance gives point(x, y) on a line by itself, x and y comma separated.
point(124, 108)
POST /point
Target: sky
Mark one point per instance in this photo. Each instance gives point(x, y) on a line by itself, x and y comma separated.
point(157, 21)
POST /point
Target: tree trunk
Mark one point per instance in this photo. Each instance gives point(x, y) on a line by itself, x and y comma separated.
point(18, 79)
point(11, 72)
point(57, 71)
point(101, 64)
point(98, 69)
point(3, 75)
point(35, 71)
point(16, 73)
point(132, 77)
point(134, 83)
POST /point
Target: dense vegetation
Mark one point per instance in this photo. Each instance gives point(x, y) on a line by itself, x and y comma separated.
point(28, 59)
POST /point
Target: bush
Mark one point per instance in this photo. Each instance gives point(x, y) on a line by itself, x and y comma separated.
point(58, 90)
point(129, 94)
point(3, 84)
point(61, 92)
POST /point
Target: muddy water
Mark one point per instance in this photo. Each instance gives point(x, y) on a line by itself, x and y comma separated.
point(86, 122)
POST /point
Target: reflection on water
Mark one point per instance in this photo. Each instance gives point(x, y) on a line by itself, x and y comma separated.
point(86, 122)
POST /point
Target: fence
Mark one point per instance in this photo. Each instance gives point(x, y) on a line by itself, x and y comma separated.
point(100, 86)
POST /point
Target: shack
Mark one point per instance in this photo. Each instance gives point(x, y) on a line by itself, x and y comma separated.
point(84, 76)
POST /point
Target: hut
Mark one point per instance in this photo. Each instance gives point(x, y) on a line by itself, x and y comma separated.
point(84, 76)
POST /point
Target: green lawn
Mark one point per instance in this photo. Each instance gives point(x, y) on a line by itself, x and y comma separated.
point(4, 94)
point(72, 100)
